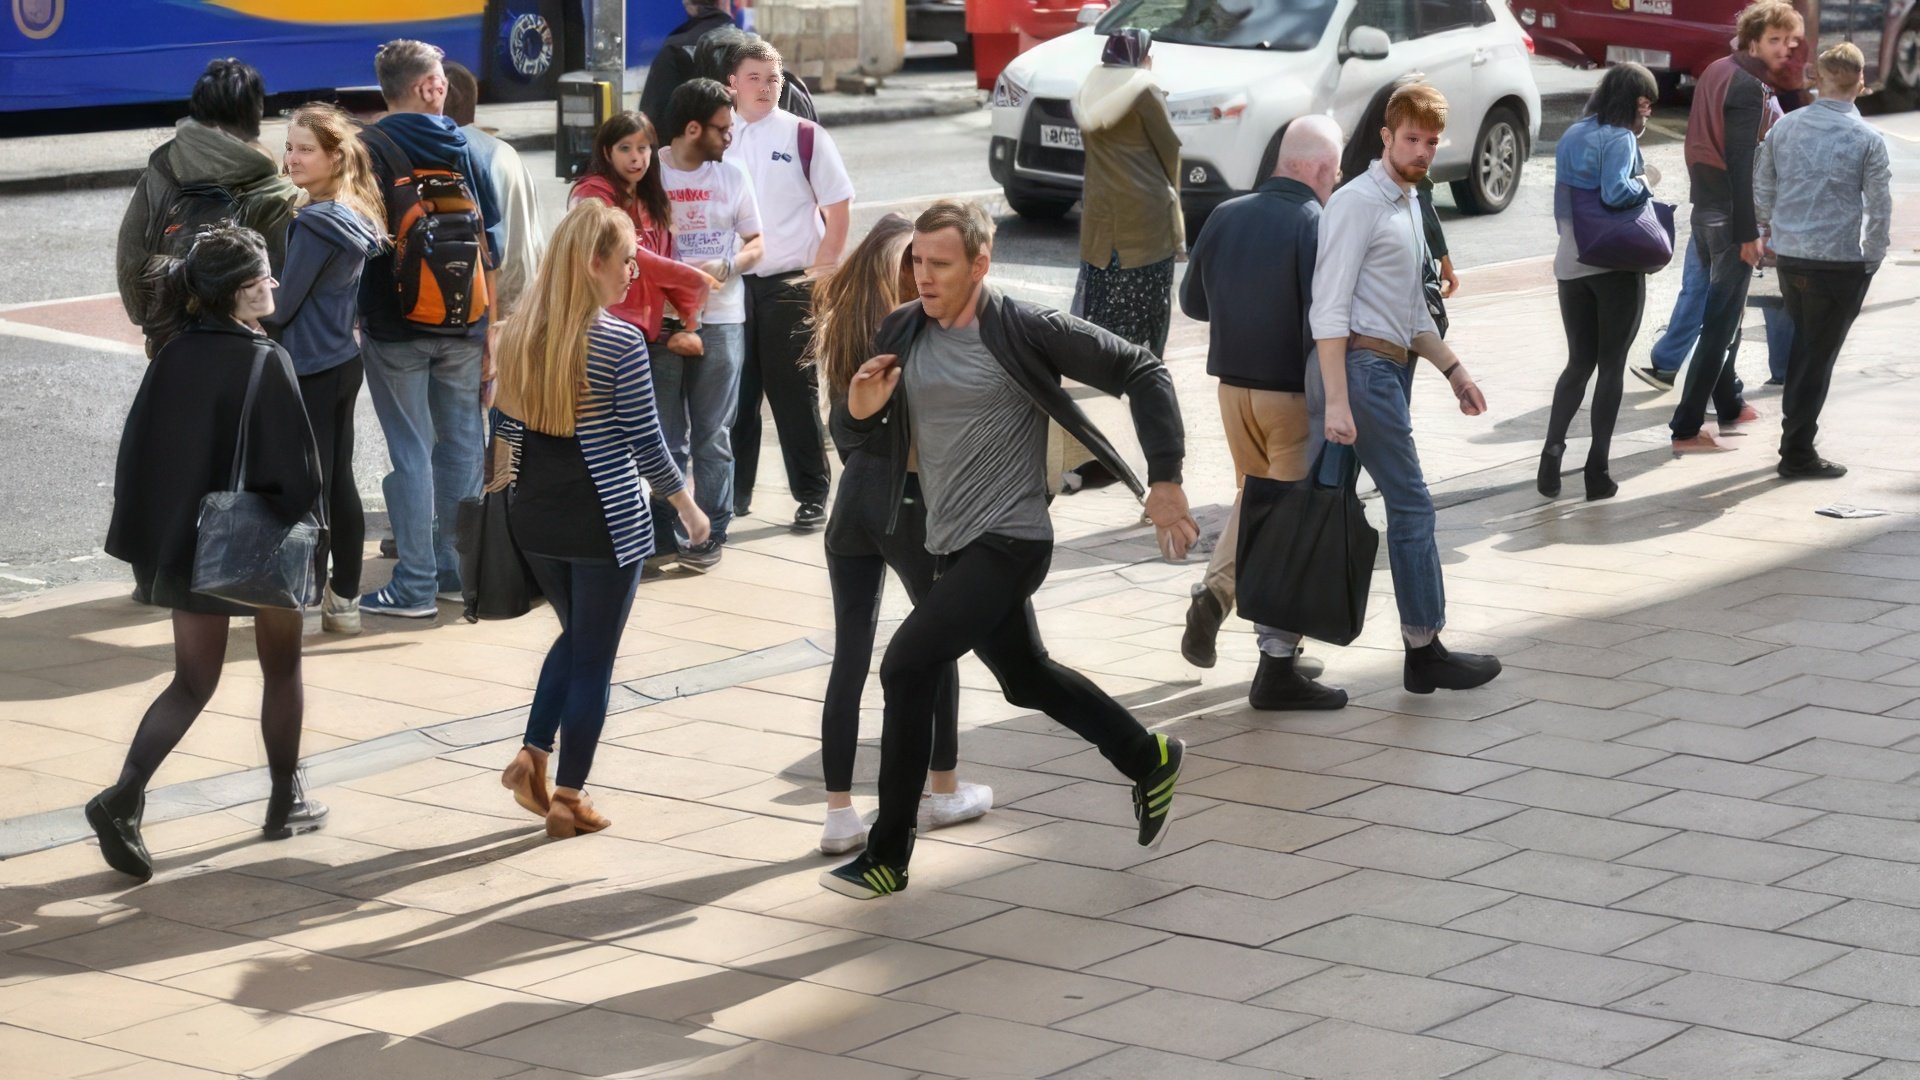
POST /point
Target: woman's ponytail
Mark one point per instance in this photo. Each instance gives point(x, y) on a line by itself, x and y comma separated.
point(203, 283)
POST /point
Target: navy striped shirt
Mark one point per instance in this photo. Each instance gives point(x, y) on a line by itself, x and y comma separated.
point(618, 427)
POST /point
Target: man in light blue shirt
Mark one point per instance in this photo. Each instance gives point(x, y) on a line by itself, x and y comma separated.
point(1823, 183)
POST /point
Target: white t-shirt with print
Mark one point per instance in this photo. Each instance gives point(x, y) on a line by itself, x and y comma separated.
point(769, 149)
point(714, 212)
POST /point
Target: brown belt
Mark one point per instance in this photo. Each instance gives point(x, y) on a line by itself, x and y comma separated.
point(1393, 352)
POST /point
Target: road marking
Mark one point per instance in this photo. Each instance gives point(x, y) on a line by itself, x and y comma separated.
point(59, 300)
point(910, 200)
point(67, 337)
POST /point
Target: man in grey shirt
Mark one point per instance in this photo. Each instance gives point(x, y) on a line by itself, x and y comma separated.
point(1822, 182)
point(1370, 322)
point(982, 377)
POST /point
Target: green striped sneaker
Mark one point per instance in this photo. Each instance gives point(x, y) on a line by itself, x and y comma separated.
point(1153, 796)
point(866, 878)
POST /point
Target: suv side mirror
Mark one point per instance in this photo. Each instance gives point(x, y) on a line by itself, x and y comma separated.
point(1368, 43)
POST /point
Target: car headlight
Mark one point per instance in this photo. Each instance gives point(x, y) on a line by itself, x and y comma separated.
point(1208, 108)
point(1007, 94)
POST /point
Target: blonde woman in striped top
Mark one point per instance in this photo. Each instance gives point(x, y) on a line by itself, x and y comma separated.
point(577, 389)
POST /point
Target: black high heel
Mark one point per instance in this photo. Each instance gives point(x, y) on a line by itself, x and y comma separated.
point(1600, 485)
point(1548, 482)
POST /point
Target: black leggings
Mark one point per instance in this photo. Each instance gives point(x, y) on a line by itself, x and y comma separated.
point(858, 581)
point(1602, 317)
point(330, 396)
point(199, 651)
point(981, 601)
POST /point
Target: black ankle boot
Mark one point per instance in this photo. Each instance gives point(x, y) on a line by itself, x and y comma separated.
point(1548, 482)
point(1432, 667)
point(1600, 485)
point(290, 812)
point(119, 831)
point(1277, 685)
point(1204, 616)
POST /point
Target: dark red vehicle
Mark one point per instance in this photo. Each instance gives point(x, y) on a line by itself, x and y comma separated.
point(1679, 38)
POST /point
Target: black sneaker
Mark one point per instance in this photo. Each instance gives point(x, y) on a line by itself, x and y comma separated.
point(1654, 377)
point(700, 558)
point(1204, 616)
point(811, 515)
point(865, 878)
point(1153, 796)
point(290, 812)
point(1817, 469)
point(120, 840)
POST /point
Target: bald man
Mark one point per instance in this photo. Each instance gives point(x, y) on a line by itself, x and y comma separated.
point(1250, 277)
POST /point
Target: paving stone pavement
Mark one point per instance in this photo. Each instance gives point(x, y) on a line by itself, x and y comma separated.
point(1677, 838)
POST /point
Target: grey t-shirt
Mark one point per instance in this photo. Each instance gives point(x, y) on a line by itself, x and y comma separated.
point(982, 443)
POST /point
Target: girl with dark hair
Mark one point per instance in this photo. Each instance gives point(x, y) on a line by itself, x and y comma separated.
point(848, 307)
point(315, 309)
point(1599, 308)
point(180, 443)
point(625, 174)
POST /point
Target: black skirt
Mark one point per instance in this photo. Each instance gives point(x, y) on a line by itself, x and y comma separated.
point(171, 589)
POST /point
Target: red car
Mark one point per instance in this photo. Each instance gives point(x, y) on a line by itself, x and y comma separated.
point(1679, 38)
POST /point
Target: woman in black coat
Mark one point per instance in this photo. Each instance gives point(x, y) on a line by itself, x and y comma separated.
point(179, 444)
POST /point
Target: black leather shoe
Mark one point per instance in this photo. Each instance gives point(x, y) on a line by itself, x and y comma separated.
point(1204, 616)
point(1600, 486)
point(1277, 686)
point(120, 840)
point(290, 812)
point(1432, 667)
point(1817, 469)
point(1548, 481)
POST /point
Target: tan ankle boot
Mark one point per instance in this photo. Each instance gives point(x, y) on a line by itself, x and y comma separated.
point(573, 813)
point(526, 777)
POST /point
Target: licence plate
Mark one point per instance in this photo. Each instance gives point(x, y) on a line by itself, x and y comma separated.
point(1653, 7)
point(1057, 135)
point(1658, 59)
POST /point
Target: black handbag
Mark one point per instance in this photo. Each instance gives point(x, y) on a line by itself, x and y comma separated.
point(495, 581)
point(246, 553)
point(1305, 561)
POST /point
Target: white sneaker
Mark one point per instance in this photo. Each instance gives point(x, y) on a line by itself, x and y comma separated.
point(843, 832)
point(339, 614)
point(940, 811)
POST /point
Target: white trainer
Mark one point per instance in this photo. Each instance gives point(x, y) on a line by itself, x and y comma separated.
point(339, 614)
point(969, 802)
point(843, 832)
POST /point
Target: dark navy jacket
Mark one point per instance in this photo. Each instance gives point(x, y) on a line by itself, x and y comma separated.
point(1250, 278)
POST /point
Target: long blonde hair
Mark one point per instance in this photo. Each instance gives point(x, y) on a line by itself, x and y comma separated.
point(849, 306)
point(358, 190)
point(543, 344)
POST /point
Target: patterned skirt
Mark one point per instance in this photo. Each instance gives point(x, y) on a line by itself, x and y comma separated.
point(1135, 304)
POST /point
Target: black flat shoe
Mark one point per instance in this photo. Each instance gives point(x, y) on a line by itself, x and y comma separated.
point(1432, 667)
point(1204, 616)
point(1279, 685)
point(1817, 469)
point(1600, 486)
point(120, 840)
point(1548, 482)
point(290, 812)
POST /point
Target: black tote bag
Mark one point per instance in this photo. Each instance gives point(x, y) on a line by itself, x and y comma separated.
point(495, 580)
point(244, 553)
point(1305, 561)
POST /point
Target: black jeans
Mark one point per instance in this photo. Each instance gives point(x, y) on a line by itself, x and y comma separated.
point(1711, 377)
point(330, 396)
point(860, 550)
point(982, 601)
point(777, 331)
point(1601, 314)
point(592, 598)
point(1823, 299)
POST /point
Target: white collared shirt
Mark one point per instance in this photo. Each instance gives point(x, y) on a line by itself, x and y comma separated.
point(769, 150)
point(1368, 277)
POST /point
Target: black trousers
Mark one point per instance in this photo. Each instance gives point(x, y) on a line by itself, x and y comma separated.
point(330, 396)
point(777, 332)
point(982, 601)
point(1822, 299)
point(1601, 314)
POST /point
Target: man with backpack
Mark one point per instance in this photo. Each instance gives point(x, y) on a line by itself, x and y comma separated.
point(213, 170)
point(805, 198)
point(702, 48)
point(424, 309)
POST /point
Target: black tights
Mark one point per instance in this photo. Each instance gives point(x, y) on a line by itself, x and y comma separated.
point(199, 651)
point(1602, 316)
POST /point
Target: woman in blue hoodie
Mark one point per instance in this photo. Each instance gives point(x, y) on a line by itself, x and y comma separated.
point(342, 225)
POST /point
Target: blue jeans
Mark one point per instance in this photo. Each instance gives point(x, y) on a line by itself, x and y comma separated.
point(1690, 307)
point(427, 395)
point(592, 598)
point(1779, 339)
point(699, 397)
point(1711, 376)
point(1380, 394)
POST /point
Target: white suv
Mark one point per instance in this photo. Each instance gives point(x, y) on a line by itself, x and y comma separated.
point(1236, 72)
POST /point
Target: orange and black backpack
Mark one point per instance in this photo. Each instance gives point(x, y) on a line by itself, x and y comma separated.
point(439, 240)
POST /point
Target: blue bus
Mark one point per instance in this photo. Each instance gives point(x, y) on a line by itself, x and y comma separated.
point(65, 54)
